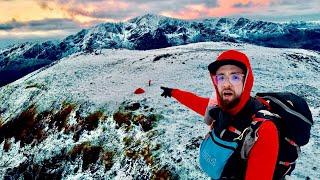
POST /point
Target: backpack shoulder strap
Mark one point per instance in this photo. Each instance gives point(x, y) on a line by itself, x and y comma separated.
point(252, 135)
point(289, 110)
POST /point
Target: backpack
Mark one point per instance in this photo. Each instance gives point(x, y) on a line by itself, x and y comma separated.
point(293, 123)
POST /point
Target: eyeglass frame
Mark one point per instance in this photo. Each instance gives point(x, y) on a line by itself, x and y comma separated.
point(228, 77)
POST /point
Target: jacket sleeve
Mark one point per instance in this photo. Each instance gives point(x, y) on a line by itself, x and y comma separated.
point(191, 100)
point(263, 155)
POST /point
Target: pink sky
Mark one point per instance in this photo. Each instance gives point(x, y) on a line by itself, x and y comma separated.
point(91, 11)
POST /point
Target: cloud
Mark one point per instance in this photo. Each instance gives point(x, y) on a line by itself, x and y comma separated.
point(207, 3)
point(115, 14)
point(177, 3)
point(243, 5)
point(53, 24)
point(40, 25)
point(87, 12)
point(44, 5)
point(120, 9)
point(292, 2)
point(299, 5)
point(10, 25)
point(292, 8)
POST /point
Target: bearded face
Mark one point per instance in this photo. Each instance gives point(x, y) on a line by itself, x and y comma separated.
point(229, 80)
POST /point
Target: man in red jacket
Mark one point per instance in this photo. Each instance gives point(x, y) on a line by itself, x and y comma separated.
point(232, 79)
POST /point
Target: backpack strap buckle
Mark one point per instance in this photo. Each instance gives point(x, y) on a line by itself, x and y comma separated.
point(286, 163)
point(243, 134)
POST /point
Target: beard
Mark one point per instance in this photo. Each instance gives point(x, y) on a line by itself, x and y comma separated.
point(229, 103)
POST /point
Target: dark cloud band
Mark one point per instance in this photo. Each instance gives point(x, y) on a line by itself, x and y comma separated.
point(46, 24)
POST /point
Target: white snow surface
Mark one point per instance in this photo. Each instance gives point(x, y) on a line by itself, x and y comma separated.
point(104, 81)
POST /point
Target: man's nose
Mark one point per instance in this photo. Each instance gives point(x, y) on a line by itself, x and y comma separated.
point(227, 83)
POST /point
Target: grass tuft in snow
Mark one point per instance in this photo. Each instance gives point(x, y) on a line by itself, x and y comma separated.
point(122, 118)
point(162, 173)
point(108, 160)
point(26, 128)
point(37, 85)
point(90, 123)
point(90, 154)
point(48, 169)
point(6, 145)
point(1, 122)
point(157, 58)
point(60, 119)
point(133, 113)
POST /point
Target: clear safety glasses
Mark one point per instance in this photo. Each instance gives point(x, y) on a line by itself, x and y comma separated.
point(234, 79)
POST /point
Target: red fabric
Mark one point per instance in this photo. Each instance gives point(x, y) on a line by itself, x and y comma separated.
point(263, 155)
point(192, 101)
point(139, 91)
point(242, 58)
point(264, 102)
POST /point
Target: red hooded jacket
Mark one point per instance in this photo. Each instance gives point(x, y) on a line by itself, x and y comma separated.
point(263, 155)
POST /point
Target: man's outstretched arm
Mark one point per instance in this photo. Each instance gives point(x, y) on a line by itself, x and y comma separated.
point(189, 99)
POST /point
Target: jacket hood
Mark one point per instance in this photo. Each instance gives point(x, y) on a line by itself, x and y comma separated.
point(239, 59)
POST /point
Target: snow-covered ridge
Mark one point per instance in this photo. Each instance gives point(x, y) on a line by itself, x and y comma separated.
point(88, 123)
point(153, 32)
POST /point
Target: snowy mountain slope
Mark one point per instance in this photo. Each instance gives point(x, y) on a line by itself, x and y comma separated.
point(80, 117)
point(153, 32)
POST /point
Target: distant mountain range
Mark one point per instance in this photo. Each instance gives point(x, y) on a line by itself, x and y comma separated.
point(153, 32)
